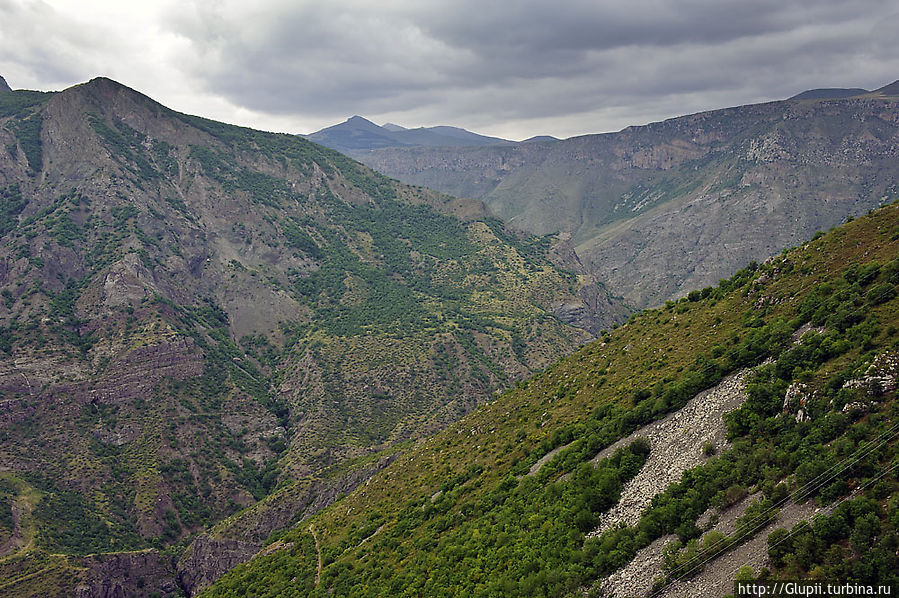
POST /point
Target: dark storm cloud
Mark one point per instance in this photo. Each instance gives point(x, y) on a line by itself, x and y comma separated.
point(529, 66)
point(483, 62)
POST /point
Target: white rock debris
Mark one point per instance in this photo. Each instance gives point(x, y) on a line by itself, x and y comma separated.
point(676, 445)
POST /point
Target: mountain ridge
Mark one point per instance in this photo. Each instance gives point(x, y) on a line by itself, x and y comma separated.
point(659, 209)
point(357, 136)
point(826, 93)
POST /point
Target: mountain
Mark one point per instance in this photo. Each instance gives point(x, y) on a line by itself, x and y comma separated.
point(357, 136)
point(746, 430)
point(539, 138)
point(891, 90)
point(4, 86)
point(208, 331)
point(657, 210)
point(828, 93)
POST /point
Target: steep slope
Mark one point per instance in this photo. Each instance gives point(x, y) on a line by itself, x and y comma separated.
point(357, 136)
point(511, 500)
point(4, 86)
point(660, 209)
point(890, 90)
point(194, 315)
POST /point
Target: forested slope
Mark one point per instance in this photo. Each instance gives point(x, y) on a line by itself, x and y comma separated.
point(469, 512)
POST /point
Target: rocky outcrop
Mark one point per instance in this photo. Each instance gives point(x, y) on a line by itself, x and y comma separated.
point(880, 377)
point(209, 558)
point(4, 87)
point(596, 310)
point(126, 574)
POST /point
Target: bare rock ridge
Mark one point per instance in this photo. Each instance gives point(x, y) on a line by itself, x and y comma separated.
point(4, 86)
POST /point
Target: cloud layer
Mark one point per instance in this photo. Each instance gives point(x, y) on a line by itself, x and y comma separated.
point(514, 69)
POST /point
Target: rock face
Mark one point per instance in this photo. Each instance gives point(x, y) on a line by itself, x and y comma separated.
point(4, 86)
point(658, 210)
point(126, 574)
point(596, 308)
point(208, 559)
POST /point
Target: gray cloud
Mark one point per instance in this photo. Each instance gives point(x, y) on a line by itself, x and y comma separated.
point(481, 63)
point(513, 68)
point(42, 44)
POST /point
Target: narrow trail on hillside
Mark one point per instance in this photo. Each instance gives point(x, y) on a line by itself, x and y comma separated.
point(318, 550)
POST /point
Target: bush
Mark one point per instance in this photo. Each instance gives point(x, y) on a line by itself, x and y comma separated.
point(880, 293)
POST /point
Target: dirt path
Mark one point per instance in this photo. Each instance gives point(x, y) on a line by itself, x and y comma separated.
point(318, 550)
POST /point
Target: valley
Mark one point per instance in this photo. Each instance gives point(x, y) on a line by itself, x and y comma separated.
point(457, 513)
point(239, 363)
point(209, 332)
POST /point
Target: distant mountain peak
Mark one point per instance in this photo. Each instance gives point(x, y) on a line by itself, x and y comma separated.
point(104, 82)
point(4, 87)
point(358, 136)
point(538, 138)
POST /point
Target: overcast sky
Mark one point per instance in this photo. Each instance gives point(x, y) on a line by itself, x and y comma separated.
point(502, 67)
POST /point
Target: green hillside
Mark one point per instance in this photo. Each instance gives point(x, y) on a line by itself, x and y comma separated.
point(469, 512)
